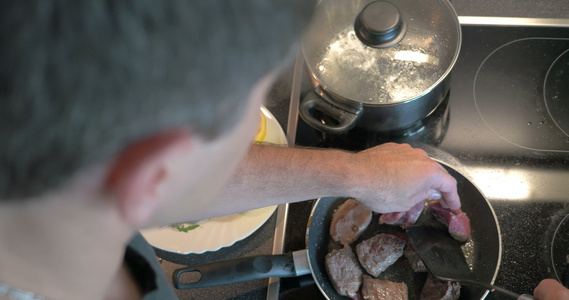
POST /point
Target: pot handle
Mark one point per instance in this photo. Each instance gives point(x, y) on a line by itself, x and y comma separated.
point(327, 116)
point(244, 269)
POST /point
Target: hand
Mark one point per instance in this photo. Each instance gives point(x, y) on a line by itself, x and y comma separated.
point(550, 289)
point(394, 177)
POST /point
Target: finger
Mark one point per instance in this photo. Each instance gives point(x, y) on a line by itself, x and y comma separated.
point(419, 151)
point(450, 200)
point(433, 194)
point(550, 287)
point(446, 185)
point(442, 168)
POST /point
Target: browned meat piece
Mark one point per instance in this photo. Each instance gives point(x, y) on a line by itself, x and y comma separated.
point(403, 219)
point(344, 271)
point(375, 289)
point(436, 289)
point(379, 252)
point(416, 263)
point(457, 222)
point(349, 221)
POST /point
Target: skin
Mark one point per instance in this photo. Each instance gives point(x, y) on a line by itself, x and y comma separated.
point(87, 224)
point(550, 289)
point(176, 176)
point(387, 178)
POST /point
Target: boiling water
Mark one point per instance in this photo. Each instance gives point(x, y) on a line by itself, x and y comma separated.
point(370, 75)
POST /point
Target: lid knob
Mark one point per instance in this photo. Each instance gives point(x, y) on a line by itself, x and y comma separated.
point(380, 25)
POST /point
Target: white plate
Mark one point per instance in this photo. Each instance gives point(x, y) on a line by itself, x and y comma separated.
point(216, 233)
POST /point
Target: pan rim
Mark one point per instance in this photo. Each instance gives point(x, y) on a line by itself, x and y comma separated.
point(499, 254)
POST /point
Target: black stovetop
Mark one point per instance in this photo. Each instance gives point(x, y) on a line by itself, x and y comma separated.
point(504, 125)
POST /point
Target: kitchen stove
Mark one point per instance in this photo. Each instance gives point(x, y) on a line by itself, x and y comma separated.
point(505, 126)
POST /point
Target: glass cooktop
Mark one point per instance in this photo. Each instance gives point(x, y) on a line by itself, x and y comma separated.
point(505, 126)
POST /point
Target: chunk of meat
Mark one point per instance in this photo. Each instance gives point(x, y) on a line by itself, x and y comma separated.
point(375, 289)
point(344, 270)
point(457, 222)
point(414, 259)
point(379, 252)
point(436, 289)
point(349, 221)
point(404, 219)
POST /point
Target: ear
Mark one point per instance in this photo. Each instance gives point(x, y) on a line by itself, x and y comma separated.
point(139, 170)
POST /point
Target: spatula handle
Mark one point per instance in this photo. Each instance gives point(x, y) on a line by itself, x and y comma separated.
point(511, 294)
point(503, 291)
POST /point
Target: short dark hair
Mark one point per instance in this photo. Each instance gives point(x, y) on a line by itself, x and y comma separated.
point(81, 79)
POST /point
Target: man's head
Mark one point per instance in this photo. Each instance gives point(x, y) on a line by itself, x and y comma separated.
point(82, 80)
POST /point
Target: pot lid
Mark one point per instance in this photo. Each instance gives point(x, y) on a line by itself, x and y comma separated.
point(379, 52)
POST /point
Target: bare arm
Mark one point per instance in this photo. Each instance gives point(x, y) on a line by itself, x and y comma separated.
point(386, 178)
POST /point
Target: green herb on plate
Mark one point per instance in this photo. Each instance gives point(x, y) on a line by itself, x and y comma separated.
point(185, 228)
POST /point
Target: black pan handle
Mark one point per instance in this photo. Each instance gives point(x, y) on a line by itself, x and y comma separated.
point(327, 116)
point(244, 269)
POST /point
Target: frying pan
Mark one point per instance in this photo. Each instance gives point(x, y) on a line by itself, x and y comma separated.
point(483, 254)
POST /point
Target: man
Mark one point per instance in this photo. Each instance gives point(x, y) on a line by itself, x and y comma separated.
point(119, 115)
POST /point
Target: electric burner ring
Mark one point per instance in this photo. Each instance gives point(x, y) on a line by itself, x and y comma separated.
point(560, 251)
point(556, 92)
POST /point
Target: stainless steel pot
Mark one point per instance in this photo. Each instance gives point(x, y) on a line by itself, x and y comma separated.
point(378, 65)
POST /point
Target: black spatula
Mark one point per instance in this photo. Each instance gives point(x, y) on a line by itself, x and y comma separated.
point(444, 258)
